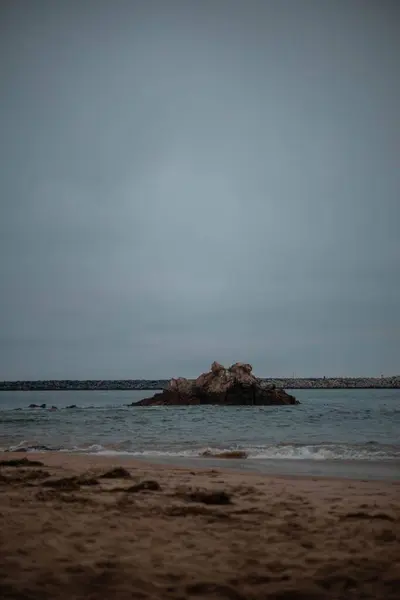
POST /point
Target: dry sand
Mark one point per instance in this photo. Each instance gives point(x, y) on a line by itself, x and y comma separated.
point(67, 532)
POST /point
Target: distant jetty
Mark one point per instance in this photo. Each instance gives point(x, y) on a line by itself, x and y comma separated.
point(293, 383)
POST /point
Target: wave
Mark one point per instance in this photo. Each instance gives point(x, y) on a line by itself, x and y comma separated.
point(25, 446)
point(9, 413)
point(286, 452)
point(370, 451)
point(39, 410)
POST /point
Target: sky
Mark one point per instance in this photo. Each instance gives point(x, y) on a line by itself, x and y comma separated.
point(198, 180)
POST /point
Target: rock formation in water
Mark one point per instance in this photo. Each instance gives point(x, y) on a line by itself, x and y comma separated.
point(235, 385)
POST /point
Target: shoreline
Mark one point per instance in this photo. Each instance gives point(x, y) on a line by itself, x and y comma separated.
point(307, 468)
point(357, 470)
point(343, 470)
point(238, 467)
point(73, 530)
point(335, 470)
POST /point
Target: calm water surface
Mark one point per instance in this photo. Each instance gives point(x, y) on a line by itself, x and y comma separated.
point(355, 432)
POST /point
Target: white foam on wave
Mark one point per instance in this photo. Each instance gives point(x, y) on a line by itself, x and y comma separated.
point(17, 447)
point(272, 452)
point(323, 452)
point(104, 451)
point(316, 452)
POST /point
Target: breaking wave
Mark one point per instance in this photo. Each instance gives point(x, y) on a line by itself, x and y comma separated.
point(371, 451)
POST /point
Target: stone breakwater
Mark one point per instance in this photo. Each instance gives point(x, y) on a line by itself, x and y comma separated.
point(159, 384)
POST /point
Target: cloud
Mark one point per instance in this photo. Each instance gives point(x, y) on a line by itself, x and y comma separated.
point(211, 181)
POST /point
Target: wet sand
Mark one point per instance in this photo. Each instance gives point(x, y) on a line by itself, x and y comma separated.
point(343, 469)
point(157, 531)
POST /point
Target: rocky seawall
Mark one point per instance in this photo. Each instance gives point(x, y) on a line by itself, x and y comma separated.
point(84, 384)
point(159, 384)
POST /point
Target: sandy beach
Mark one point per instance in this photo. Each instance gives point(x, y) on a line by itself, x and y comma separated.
point(99, 527)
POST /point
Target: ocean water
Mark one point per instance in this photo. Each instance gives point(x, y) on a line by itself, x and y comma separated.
point(332, 432)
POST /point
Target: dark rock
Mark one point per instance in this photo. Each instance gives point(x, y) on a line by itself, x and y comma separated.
point(236, 385)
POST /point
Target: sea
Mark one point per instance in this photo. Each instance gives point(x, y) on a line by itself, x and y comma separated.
point(345, 433)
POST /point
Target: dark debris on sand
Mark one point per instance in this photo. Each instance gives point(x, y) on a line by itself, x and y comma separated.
point(116, 473)
point(23, 476)
point(148, 484)
point(209, 496)
point(21, 462)
point(70, 483)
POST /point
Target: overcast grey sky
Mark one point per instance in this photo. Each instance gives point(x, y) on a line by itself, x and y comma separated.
point(184, 181)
